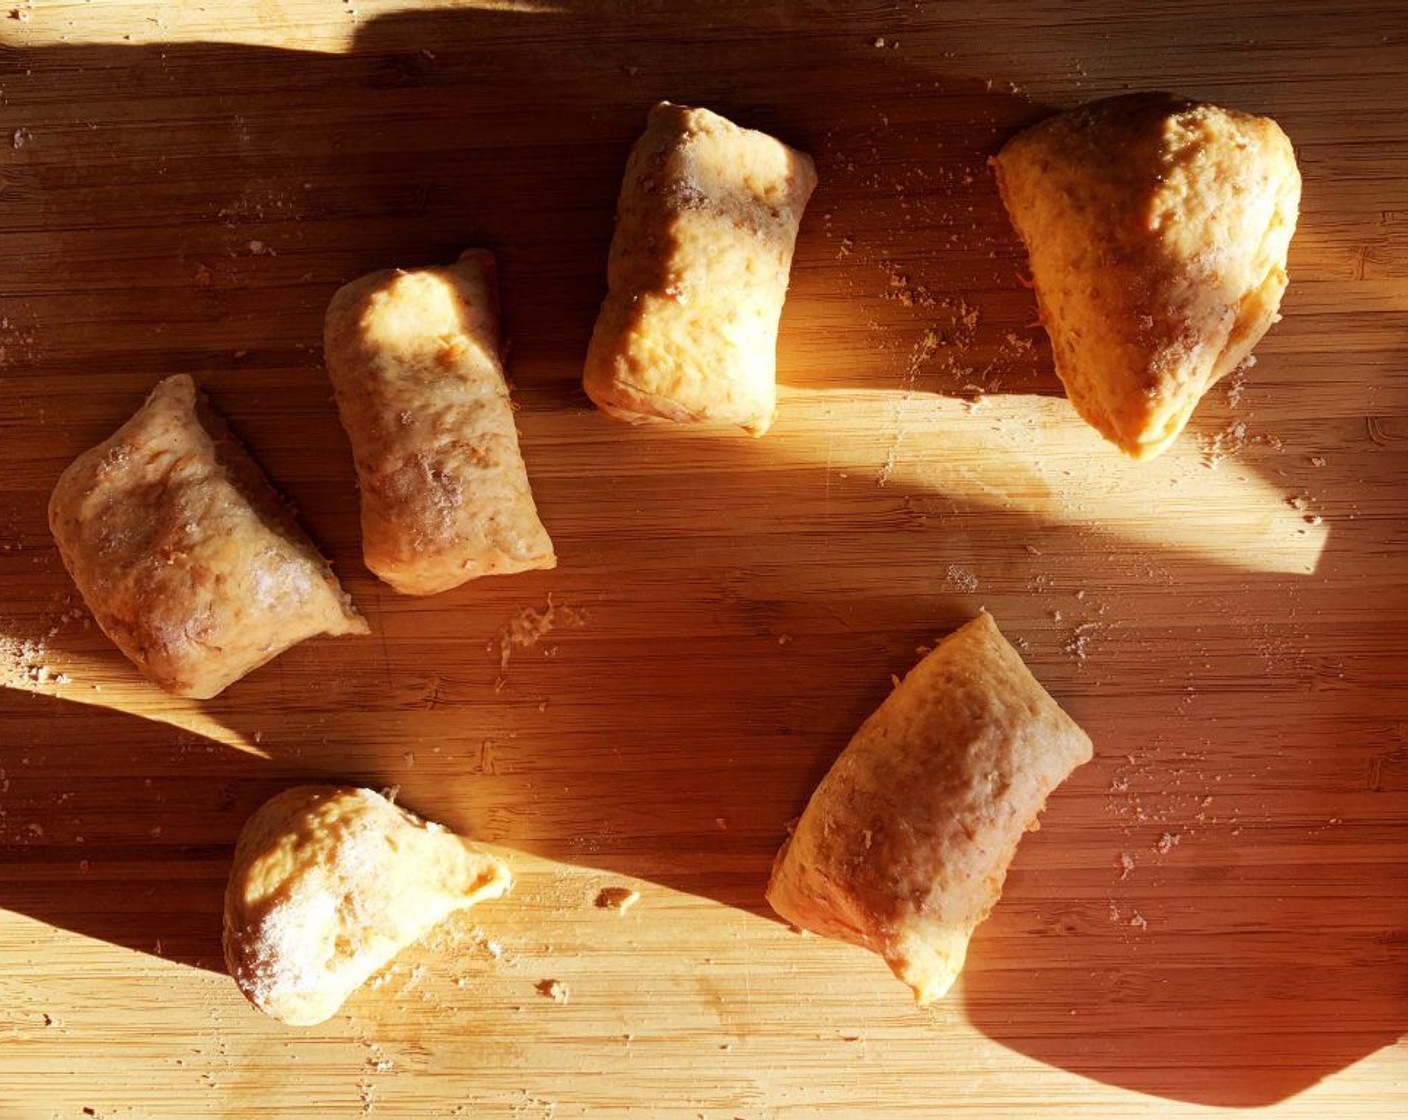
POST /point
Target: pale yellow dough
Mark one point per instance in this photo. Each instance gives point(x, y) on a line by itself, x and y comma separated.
point(414, 361)
point(187, 558)
point(706, 225)
point(1158, 230)
point(904, 846)
point(329, 884)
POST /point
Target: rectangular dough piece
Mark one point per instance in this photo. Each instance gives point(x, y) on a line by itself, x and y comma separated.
point(186, 556)
point(705, 228)
point(414, 361)
point(904, 845)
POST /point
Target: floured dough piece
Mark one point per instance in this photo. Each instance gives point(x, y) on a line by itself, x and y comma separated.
point(1157, 229)
point(187, 558)
point(414, 361)
point(329, 884)
point(705, 228)
point(905, 843)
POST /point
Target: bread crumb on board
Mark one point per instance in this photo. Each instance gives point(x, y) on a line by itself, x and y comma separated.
point(24, 660)
point(619, 899)
point(531, 624)
point(376, 1060)
point(554, 990)
point(1077, 644)
point(961, 578)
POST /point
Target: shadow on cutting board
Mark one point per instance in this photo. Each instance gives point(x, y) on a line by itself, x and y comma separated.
point(442, 130)
point(124, 829)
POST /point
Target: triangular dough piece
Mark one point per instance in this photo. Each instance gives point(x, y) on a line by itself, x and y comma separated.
point(1157, 229)
point(904, 846)
point(329, 884)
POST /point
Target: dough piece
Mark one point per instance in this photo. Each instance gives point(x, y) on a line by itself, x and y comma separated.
point(329, 884)
point(183, 552)
point(705, 228)
point(1157, 229)
point(414, 362)
point(905, 843)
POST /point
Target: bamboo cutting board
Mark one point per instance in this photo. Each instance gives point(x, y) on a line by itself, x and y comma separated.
point(1215, 912)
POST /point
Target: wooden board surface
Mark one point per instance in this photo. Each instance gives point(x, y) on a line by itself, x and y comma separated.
point(182, 188)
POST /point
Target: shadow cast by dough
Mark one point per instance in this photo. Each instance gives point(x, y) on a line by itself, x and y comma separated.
point(125, 833)
point(1259, 969)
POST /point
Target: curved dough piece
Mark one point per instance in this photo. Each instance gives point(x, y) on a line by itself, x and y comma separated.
point(414, 361)
point(705, 228)
point(1157, 229)
point(904, 846)
point(187, 558)
point(329, 884)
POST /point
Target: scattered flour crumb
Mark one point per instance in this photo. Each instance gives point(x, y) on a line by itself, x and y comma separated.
point(24, 660)
point(886, 469)
point(1235, 384)
point(1221, 445)
point(490, 945)
point(619, 899)
point(924, 349)
point(903, 290)
point(554, 990)
point(377, 1061)
point(530, 625)
point(961, 578)
point(1077, 645)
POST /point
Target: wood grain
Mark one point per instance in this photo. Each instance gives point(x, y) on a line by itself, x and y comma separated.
point(185, 186)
